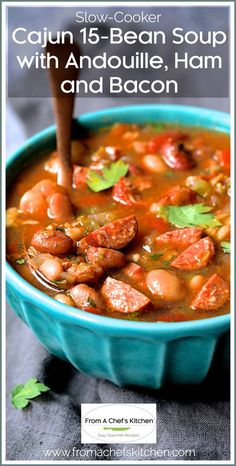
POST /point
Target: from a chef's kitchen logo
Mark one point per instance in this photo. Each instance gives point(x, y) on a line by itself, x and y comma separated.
point(118, 423)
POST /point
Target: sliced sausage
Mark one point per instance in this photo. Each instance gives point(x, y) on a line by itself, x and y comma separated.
point(86, 298)
point(176, 156)
point(114, 235)
point(52, 241)
point(123, 193)
point(85, 273)
point(121, 297)
point(182, 238)
point(165, 285)
point(178, 195)
point(105, 257)
point(213, 295)
point(196, 256)
point(133, 270)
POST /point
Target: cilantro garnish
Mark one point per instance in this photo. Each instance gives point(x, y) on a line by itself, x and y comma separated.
point(108, 177)
point(155, 256)
point(20, 261)
point(21, 394)
point(189, 215)
point(225, 246)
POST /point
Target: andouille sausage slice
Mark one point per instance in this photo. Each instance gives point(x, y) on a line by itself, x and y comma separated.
point(105, 257)
point(181, 238)
point(86, 298)
point(213, 295)
point(196, 256)
point(52, 241)
point(114, 235)
point(121, 297)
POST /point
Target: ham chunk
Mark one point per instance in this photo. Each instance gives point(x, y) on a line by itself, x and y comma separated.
point(105, 257)
point(123, 192)
point(182, 238)
point(121, 297)
point(114, 235)
point(178, 195)
point(213, 295)
point(196, 256)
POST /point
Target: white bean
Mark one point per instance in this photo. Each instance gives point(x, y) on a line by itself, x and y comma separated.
point(51, 269)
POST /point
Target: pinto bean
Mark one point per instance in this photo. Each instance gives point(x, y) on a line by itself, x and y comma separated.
point(85, 273)
point(64, 299)
point(105, 257)
point(196, 256)
point(46, 187)
point(52, 241)
point(51, 269)
point(213, 295)
point(60, 208)
point(176, 156)
point(114, 235)
point(154, 163)
point(34, 203)
point(165, 284)
point(121, 297)
point(86, 298)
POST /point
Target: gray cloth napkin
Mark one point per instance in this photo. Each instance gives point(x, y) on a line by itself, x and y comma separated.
point(193, 418)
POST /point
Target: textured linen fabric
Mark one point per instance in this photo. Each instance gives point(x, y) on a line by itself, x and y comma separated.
point(187, 417)
point(193, 418)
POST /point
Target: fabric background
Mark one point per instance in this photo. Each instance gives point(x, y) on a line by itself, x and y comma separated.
point(187, 417)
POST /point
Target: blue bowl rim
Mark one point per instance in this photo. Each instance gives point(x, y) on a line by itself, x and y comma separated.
point(75, 315)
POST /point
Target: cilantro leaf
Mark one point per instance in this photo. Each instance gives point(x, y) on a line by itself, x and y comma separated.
point(189, 215)
point(225, 246)
point(20, 261)
point(156, 256)
point(21, 394)
point(158, 127)
point(109, 176)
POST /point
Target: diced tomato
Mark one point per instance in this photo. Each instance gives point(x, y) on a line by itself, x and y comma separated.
point(224, 158)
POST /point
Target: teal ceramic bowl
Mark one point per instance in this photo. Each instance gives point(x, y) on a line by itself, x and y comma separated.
point(124, 352)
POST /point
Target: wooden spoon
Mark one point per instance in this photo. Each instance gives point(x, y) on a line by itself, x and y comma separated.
point(63, 106)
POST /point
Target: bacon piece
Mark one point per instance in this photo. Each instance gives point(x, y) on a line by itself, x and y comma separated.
point(123, 192)
point(196, 256)
point(213, 295)
point(79, 177)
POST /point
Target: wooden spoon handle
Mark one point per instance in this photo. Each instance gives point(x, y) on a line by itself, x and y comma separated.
point(63, 106)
